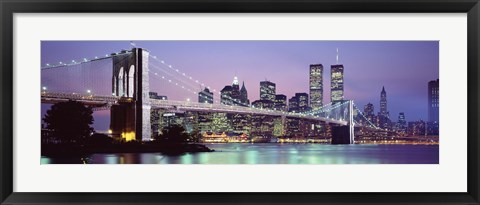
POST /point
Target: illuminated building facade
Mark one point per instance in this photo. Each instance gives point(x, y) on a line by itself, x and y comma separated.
point(205, 96)
point(267, 90)
point(316, 86)
point(384, 115)
point(280, 102)
point(401, 123)
point(433, 100)
point(336, 83)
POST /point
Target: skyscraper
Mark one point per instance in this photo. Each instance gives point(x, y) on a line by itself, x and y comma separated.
point(368, 109)
point(336, 85)
point(293, 104)
point(433, 100)
point(244, 95)
point(383, 103)
point(302, 101)
point(267, 90)
point(369, 112)
point(298, 103)
point(280, 102)
point(383, 115)
point(316, 86)
point(401, 123)
point(226, 95)
point(232, 95)
point(235, 89)
point(205, 96)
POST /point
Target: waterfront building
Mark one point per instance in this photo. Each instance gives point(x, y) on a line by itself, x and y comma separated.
point(316, 86)
point(279, 127)
point(416, 128)
point(432, 128)
point(205, 122)
point(262, 125)
point(401, 123)
point(221, 123)
point(241, 123)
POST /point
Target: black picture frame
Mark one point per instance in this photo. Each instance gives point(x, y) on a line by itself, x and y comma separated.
point(10, 7)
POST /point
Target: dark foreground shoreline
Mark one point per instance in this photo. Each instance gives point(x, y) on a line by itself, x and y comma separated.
point(75, 150)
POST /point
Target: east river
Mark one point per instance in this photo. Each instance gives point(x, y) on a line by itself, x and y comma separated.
point(274, 153)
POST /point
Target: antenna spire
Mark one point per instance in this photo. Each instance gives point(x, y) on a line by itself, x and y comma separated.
point(337, 56)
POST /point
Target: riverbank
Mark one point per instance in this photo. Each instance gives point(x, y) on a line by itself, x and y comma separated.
point(68, 150)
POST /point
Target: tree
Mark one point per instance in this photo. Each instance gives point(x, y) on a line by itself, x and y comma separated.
point(69, 121)
point(174, 134)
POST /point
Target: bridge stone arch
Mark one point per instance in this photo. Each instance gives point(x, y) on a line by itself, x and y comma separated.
point(130, 119)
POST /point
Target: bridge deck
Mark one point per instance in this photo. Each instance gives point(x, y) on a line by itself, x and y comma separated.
point(100, 101)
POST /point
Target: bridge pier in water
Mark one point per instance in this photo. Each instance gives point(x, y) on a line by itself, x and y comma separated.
point(345, 134)
point(130, 119)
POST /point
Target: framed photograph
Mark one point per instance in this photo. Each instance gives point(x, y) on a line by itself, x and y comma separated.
point(187, 102)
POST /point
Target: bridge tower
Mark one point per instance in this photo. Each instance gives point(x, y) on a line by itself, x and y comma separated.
point(130, 119)
point(345, 134)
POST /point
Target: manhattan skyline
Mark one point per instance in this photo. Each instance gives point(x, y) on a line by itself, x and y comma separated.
point(403, 67)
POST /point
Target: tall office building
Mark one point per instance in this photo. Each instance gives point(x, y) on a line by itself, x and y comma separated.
point(232, 95)
point(368, 110)
point(280, 102)
point(235, 89)
point(293, 104)
point(383, 103)
point(302, 101)
point(226, 95)
point(298, 103)
point(316, 86)
point(384, 115)
point(244, 95)
point(401, 123)
point(336, 85)
point(267, 90)
point(433, 100)
point(205, 96)
point(369, 113)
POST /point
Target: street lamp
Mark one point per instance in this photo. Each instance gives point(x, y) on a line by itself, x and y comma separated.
point(44, 88)
point(89, 91)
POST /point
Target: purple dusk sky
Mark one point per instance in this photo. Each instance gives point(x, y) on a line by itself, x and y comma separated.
point(403, 67)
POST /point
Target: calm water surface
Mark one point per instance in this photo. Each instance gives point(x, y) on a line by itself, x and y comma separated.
point(274, 153)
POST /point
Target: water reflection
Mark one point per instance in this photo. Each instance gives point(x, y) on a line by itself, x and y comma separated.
point(275, 154)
